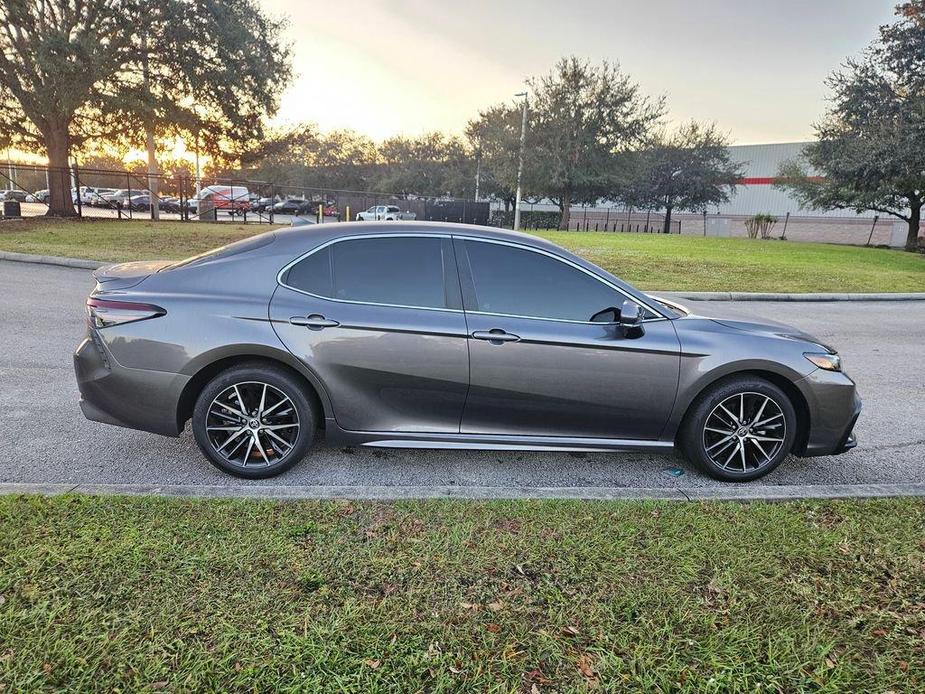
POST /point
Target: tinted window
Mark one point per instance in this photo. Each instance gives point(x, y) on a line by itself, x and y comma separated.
point(401, 271)
point(313, 274)
point(523, 283)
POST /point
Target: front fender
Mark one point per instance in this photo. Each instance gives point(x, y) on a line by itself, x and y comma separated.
point(710, 352)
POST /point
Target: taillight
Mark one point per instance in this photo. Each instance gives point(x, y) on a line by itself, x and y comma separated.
point(102, 312)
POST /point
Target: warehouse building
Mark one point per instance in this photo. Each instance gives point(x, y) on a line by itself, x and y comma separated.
point(756, 194)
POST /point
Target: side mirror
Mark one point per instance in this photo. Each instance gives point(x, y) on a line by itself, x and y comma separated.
point(631, 319)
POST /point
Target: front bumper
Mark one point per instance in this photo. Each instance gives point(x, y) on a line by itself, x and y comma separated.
point(834, 408)
point(133, 398)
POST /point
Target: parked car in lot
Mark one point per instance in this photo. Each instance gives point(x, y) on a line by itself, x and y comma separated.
point(95, 197)
point(41, 195)
point(142, 203)
point(384, 213)
point(444, 336)
point(121, 196)
point(295, 206)
point(261, 205)
point(17, 195)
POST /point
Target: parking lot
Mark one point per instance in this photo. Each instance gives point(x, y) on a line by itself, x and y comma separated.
point(47, 440)
point(37, 209)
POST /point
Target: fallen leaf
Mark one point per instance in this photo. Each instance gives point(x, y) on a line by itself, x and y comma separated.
point(570, 631)
point(373, 663)
point(493, 628)
point(495, 606)
point(586, 667)
point(584, 664)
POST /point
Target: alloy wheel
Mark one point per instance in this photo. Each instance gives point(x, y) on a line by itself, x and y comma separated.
point(745, 432)
point(252, 424)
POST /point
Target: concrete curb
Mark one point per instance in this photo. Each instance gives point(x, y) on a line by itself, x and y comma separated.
point(389, 493)
point(816, 296)
point(692, 296)
point(51, 260)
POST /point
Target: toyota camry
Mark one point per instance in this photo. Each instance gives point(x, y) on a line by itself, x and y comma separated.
point(425, 335)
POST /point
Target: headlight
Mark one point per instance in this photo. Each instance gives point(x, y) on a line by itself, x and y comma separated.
point(829, 362)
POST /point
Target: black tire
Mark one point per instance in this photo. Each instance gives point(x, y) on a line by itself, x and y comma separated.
point(694, 441)
point(273, 458)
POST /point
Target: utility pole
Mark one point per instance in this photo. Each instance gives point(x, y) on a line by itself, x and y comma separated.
point(150, 144)
point(478, 171)
point(520, 161)
point(198, 178)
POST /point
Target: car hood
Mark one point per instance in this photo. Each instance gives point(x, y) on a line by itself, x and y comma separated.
point(125, 275)
point(770, 329)
point(738, 319)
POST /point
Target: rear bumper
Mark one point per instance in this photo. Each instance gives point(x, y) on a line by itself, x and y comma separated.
point(133, 398)
point(834, 408)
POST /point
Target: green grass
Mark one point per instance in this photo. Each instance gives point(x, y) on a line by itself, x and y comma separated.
point(655, 261)
point(651, 261)
point(119, 241)
point(148, 593)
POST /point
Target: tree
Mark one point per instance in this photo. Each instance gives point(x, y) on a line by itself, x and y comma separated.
point(432, 164)
point(303, 156)
point(78, 70)
point(494, 138)
point(687, 169)
point(583, 116)
point(868, 153)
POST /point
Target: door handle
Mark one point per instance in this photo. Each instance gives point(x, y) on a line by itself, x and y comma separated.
point(495, 335)
point(314, 321)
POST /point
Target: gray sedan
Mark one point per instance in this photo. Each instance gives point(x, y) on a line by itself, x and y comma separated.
point(425, 335)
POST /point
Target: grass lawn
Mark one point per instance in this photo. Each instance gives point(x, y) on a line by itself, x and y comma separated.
point(651, 261)
point(149, 593)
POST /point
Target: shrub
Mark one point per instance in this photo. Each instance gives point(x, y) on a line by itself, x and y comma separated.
point(760, 224)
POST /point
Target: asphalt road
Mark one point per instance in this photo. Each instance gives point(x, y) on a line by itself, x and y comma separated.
point(45, 439)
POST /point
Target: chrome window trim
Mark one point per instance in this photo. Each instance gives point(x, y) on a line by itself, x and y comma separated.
point(566, 261)
point(331, 242)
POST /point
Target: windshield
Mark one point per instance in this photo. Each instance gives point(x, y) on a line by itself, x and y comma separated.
point(230, 249)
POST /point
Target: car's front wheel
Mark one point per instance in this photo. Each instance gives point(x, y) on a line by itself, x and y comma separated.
point(739, 429)
point(254, 421)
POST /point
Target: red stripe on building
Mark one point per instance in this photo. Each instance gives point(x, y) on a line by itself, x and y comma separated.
point(770, 180)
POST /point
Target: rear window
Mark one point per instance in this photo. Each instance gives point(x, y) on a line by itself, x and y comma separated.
point(401, 271)
point(226, 251)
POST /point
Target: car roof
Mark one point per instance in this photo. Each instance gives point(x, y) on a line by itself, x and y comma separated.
point(326, 232)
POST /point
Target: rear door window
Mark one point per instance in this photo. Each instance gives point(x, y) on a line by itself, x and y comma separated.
point(416, 272)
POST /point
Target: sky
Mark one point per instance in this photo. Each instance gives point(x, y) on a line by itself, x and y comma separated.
point(386, 67)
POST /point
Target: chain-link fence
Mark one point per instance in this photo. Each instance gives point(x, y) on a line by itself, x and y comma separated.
point(138, 195)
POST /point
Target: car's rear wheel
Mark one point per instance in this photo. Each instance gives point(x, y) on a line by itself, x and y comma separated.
point(254, 421)
point(739, 429)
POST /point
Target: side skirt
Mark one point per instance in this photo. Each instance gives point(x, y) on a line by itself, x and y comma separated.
point(394, 439)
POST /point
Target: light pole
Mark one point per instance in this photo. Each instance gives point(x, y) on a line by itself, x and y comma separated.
point(520, 162)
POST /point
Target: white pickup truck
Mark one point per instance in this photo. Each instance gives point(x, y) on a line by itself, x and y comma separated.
point(384, 213)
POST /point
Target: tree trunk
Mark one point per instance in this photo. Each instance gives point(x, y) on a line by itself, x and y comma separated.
point(565, 209)
point(58, 144)
point(667, 228)
point(915, 221)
